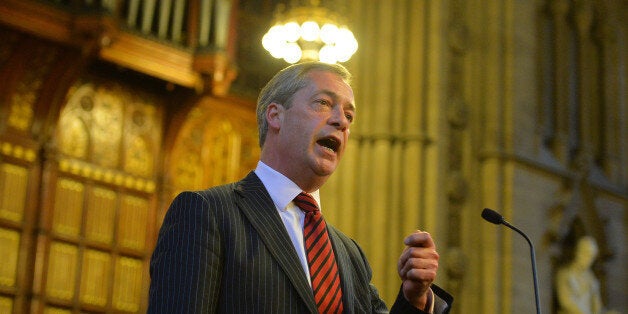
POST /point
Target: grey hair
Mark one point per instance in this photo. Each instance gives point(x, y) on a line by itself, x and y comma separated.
point(286, 83)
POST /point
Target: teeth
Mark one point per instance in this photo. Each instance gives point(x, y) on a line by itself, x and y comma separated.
point(329, 143)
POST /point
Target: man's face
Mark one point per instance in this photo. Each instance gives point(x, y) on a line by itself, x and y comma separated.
point(315, 129)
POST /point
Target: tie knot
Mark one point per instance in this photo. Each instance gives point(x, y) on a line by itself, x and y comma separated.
point(306, 202)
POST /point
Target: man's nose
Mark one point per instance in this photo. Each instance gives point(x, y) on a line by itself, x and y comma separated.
point(339, 119)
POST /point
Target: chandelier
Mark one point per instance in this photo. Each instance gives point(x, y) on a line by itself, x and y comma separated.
point(309, 33)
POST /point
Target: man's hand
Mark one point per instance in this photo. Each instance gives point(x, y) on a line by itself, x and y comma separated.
point(417, 268)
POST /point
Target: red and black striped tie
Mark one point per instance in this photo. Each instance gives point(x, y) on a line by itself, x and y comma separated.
point(320, 257)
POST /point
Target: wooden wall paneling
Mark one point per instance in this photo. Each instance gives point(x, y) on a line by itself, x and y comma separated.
point(134, 212)
point(129, 285)
point(68, 208)
point(27, 70)
point(95, 277)
point(7, 46)
point(217, 143)
point(99, 198)
point(18, 183)
point(35, 75)
point(100, 214)
point(24, 74)
point(36, 18)
point(58, 257)
point(103, 266)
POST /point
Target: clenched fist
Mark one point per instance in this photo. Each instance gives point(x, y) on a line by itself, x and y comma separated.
point(417, 268)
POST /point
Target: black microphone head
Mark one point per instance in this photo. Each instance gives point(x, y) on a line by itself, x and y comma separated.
point(492, 216)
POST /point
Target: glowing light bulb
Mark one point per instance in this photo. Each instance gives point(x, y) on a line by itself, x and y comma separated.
point(328, 54)
point(292, 31)
point(310, 31)
point(292, 53)
point(329, 33)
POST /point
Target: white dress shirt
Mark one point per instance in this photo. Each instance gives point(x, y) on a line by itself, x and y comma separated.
point(283, 191)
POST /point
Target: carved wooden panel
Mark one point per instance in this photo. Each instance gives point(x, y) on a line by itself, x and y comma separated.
point(217, 144)
point(95, 277)
point(9, 245)
point(55, 310)
point(13, 182)
point(100, 200)
point(62, 263)
point(101, 207)
point(127, 290)
point(7, 45)
point(133, 213)
point(68, 206)
point(28, 86)
point(17, 162)
point(6, 305)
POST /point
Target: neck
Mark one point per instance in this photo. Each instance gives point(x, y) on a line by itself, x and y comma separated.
point(309, 185)
point(308, 182)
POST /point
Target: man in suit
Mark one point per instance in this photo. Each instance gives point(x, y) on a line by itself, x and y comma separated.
point(246, 247)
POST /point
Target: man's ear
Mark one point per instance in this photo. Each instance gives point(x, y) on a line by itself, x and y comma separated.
point(274, 115)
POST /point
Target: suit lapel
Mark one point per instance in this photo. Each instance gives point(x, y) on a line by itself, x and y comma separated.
point(258, 207)
point(344, 264)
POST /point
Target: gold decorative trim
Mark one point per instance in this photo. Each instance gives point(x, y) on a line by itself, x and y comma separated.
point(18, 151)
point(109, 176)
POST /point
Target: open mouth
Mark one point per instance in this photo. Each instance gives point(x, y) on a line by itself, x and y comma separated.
point(329, 143)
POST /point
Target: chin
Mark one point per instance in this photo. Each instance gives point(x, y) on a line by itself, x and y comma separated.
point(324, 165)
point(328, 170)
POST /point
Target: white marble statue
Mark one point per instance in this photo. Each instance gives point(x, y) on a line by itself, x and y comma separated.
point(577, 287)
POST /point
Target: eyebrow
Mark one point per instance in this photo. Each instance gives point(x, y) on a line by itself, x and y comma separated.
point(350, 106)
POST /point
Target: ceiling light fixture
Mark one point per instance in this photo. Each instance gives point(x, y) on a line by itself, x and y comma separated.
point(309, 33)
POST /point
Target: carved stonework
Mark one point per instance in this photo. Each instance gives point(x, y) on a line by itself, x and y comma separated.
point(456, 187)
point(456, 113)
point(574, 216)
point(458, 37)
point(456, 265)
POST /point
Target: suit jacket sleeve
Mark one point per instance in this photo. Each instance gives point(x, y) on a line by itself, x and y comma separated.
point(352, 260)
point(185, 266)
point(442, 303)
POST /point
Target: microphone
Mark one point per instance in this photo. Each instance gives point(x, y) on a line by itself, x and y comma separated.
point(495, 218)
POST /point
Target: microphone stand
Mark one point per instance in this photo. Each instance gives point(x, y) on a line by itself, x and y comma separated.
point(495, 218)
point(533, 258)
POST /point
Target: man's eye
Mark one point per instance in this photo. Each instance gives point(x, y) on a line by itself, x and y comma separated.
point(323, 102)
point(349, 117)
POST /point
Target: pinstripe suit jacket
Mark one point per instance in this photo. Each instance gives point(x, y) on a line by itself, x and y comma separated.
point(226, 250)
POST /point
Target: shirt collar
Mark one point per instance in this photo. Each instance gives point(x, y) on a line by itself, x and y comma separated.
point(281, 189)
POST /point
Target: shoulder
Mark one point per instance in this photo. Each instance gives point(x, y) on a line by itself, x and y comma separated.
point(200, 198)
point(346, 241)
point(199, 202)
point(215, 193)
point(346, 245)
